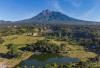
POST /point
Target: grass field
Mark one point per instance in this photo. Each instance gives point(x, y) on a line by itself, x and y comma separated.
point(58, 42)
point(21, 40)
point(79, 52)
point(75, 51)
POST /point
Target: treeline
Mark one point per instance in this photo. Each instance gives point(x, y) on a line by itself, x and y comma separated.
point(7, 29)
point(85, 35)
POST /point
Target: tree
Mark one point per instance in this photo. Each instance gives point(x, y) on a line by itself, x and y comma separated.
point(47, 66)
point(55, 65)
point(32, 66)
point(13, 51)
point(60, 35)
point(1, 40)
point(18, 67)
point(69, 65)
point(25, 66)
point(61, 65)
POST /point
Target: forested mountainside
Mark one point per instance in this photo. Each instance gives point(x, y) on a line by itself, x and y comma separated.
point(47, 16)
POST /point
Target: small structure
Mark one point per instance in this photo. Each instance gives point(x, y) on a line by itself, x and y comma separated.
point(47, 29)
point(29, 34)
point(32, 34)
point(15, 26)
point(64, 50)
point(94, 47)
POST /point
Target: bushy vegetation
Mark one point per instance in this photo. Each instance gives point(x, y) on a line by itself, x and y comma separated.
point(45, 46)
point(1, 40)
point(85, 35)
point(13, 51)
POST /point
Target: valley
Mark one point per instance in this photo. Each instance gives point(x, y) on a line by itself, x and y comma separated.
point(59, 40)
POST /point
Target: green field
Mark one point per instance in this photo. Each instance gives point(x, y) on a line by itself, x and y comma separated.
point(79, 52)
point(21, 40)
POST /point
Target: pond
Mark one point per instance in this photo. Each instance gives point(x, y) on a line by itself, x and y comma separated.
point(41, 59)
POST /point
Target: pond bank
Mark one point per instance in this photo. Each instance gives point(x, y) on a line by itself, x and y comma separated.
point(3, 64)
point(42, 59)
point(13, 62)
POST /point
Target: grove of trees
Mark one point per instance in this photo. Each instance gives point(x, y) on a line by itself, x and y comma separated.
point(45, 46)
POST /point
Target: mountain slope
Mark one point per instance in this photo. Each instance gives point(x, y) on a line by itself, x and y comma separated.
point(47, 16)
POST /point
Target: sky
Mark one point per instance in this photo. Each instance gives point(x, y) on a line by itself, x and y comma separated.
point(15, 10)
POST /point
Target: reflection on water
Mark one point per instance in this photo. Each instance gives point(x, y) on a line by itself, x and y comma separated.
point(42, 59)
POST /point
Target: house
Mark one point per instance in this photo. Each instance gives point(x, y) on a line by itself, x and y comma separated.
point(32, 34)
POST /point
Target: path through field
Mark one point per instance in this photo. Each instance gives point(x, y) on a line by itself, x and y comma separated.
point(3, 64)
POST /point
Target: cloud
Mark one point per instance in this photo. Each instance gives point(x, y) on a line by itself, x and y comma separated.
point(29, 15)
point(75, 3)
point(58, 6)
point(91, 14)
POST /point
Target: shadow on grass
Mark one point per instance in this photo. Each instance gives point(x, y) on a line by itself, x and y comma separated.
point(3, 55)
point(25, 49)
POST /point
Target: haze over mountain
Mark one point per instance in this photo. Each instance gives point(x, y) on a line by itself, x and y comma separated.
point(47, 16)
point(2, 21)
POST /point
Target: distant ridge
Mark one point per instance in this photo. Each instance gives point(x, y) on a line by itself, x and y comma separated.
point(47, 16)
point(2, 21)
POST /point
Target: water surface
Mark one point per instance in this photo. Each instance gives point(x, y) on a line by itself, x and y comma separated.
point(41, 59)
